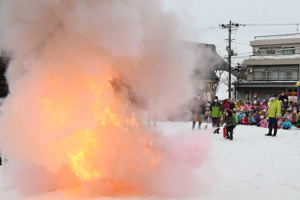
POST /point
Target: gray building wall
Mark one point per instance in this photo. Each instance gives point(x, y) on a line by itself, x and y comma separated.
point(277, 58)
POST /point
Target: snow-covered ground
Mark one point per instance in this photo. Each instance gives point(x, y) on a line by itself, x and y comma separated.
point(252, 166)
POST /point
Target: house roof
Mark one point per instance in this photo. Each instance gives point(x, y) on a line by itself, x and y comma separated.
point(282, 39)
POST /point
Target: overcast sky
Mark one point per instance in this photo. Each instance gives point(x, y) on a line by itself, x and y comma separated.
point(200, 20)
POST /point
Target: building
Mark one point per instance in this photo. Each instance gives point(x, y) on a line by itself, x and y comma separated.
point(208, 62)
point(273, 67)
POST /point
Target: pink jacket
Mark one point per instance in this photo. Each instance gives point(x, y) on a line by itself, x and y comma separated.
point(264, 107)
point(264, 123)
point(245, 107)
point(289, 116)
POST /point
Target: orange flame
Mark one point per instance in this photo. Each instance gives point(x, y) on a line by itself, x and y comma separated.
point(87, 149)
point(82, 158)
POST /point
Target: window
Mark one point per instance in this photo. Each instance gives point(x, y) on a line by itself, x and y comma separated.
point(262, 51)
point(276, 50)
point(289, 73)
point(288, 50)
point(259, 74)
point(276, 73)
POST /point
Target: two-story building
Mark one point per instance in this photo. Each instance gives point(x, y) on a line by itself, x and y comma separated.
point(273, 67)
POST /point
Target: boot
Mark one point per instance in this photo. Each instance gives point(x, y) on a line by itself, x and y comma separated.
point(217, 131)
point(193, 126)
point(270, 132)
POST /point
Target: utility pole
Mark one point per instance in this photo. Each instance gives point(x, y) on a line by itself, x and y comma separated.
point(237, 69)
point(230, 52)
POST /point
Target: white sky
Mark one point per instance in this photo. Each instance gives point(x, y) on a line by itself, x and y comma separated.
point(200, 20)
point(200, 23)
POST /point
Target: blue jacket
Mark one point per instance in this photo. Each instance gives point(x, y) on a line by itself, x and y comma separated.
point(287, 124)
point(241, 115)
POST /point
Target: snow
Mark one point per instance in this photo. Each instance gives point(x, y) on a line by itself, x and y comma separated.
point(252, 166)
point(274, 37)
point(294, 56)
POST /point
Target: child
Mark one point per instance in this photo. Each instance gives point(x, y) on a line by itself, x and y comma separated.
point(244, 120)
point(257, 118)
point(251, 119)
point(241, 115)
point(229, 121)
point(297, 124)
point(286, 124)
point(264, 105)
point(294, 117)
point(263, 122)
point(236, 117)
point(279, 123)
point(288, 115)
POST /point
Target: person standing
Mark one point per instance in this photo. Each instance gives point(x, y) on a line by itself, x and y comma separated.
point(215, 113)
point(196, 110)
point(256, 100)
point(230, 123)
point(273, 113)
point(283, 96)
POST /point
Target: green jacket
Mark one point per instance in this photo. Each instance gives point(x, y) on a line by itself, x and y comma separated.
point(236, 116)
point(274, 109)
point(215, 110)
point(298, 117)
point(229, 120)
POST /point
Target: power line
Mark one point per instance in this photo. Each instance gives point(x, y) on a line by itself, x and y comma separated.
point(288, 24)
point(209, 29)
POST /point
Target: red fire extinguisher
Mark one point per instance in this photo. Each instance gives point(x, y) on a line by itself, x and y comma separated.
point(224, 132)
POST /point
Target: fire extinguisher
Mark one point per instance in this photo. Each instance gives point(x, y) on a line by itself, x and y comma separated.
point(224, 132)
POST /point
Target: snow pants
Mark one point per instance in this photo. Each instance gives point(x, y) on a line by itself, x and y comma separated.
point(216, 123)
point(194, 124)
point(229, 132)
point(273, 123)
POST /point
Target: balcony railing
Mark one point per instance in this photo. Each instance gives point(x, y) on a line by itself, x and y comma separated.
point(277, 51)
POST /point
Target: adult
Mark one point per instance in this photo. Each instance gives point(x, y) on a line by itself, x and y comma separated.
point(256, 101)
point(196, 110)
point(215, 113)
point(232, 104)
point(273, 113)
point(284, 106)
point(226, 104)
point(282, 97)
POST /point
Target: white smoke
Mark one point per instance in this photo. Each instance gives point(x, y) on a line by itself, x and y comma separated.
point(57, 45)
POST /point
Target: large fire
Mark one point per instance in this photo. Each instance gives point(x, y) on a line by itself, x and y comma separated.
point(84, 77)
point(82, 157)
point(117, 133)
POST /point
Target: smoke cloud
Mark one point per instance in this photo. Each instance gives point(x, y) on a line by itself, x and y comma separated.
point(82, 77)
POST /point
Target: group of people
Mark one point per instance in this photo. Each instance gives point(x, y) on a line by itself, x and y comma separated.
point(274, 113)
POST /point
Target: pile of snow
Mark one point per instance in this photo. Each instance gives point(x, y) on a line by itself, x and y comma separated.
point(252, 166)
